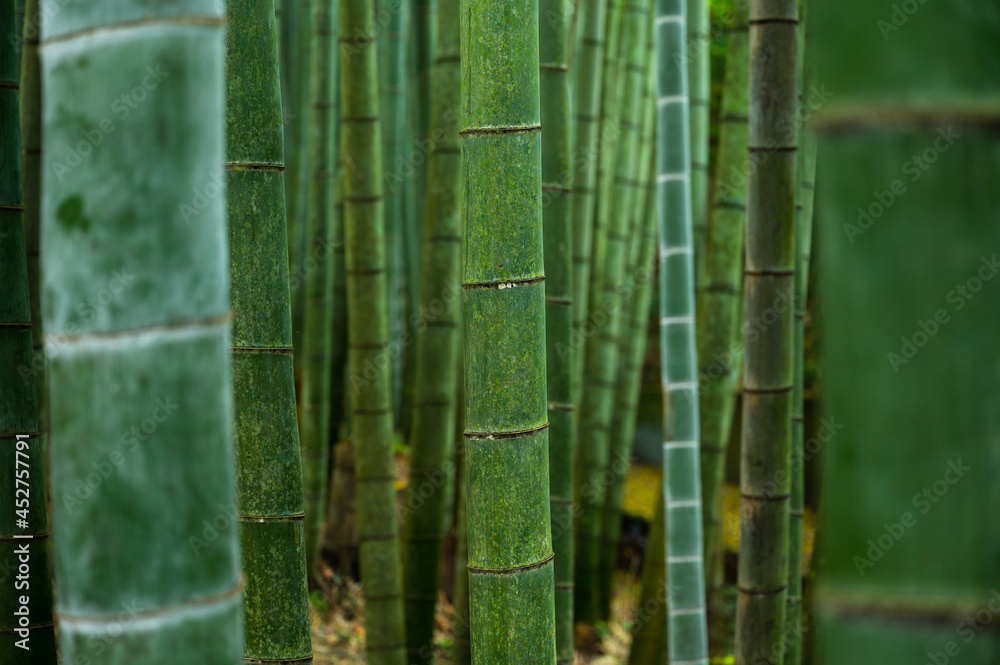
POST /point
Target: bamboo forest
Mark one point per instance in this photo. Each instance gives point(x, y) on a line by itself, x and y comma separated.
point(499, 332)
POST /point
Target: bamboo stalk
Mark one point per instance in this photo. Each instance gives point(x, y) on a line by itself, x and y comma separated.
point(700, 83)
point(512, 608)
point(769, 276)
point(687, 632)
point(318, 303)
point(368, 331)
point(649, 630)
point(720, 343)
point(435, 404)
point(144, 527)
point(602, 348)
point(557, 202)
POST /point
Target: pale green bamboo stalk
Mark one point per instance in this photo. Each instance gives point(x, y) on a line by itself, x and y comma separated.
point(439, 343)
point(699, 82)
point(602, 348)
point(368, 338)
point(144, 540)
point(769, 276)
point(511, 580)
point(318, 288)
point(687, 640)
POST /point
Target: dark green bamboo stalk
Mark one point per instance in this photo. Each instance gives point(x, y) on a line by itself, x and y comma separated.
point(687, 631)
point(461, 653)
point(368, 340)
point(268, 465)
point(434, 404)
point(300, 165)
point(24, 526)
point(394, 80)
point(512, 605)
point(908, 148)
point(558, 247)
point(720, 343)
point(769, 276)
point(144, 536)
point(338, 351)
point(649, 630)
point(587, 142)
point(806, 170)
point(700, 82)
point(318, 303)
point(635, 303)
point(602, 349)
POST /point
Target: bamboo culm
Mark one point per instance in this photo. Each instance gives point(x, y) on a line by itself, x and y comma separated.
point(511, 577)
point(318, 303)
point(154, 363)
point(769, 276)
point(687, 634)
point(699, 59)
point(436, 381)
point(368, 339)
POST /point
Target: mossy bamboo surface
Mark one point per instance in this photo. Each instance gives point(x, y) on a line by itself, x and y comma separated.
point(806, 170)
point(909, 558)
point(368, 339)
point(439, 343)
point(699, 99)
point(637, 292)
point(769, 276)
point(268, 466)
point(318, 303)
point(720, 345)
point(511, 595)
point(687, 640)
point(558, 248)
point(602, 348)
point(587, 141)
point(23, 460)
point(394, 78)
point(144, 536)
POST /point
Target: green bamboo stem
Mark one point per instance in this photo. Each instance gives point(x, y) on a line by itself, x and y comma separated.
point(338, 350)
point(393, 91)
point(558, 246)
point(603, 347)
point(144, 535)
point(588, 76)
point(687, 632)
point(268, 465)
point(649, 630)
point(907, 145)
point(700, 82)
point(720, 344)
point(434, 404)
point(368, 340)
point(635, 303)
point(512, 605)
point(806, 170)
point(318, 288)
point(24, 459)
point(769, 276)
point(461, 653)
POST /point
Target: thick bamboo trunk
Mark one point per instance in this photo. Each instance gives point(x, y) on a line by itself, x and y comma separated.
point(557, 201)
point(687, 633)
point(268, 465)
point(369, 378)
point(434, 404)
point(603, 346)
point(699, 93)
point(512, 609)
point(769, 276)
point(720, 343)
point(906, 218)
point(145, 529)
point(25, 635)
point(318, 303)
